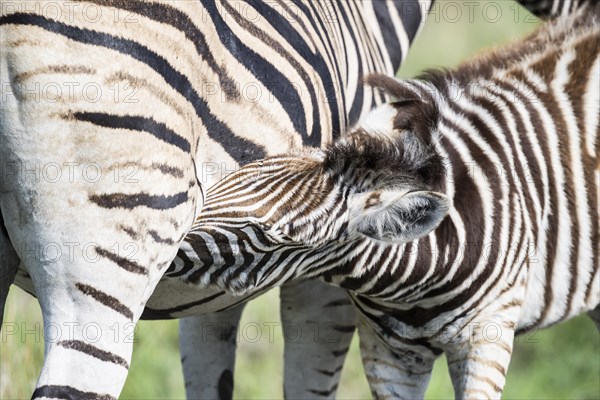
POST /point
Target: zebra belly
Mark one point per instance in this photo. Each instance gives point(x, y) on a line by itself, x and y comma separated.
point(171, 299)
point(174, 298)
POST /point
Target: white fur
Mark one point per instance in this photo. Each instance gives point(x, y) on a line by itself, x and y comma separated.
point(380, 121)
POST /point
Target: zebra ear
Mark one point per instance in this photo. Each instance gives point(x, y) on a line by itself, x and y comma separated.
point(402, 90)
point(397, 216)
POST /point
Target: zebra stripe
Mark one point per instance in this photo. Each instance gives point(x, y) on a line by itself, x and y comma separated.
point(473, 200)
point(66, 391)
point(552, 8)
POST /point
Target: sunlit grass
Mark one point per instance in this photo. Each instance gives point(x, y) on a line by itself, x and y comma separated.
point(562, 362)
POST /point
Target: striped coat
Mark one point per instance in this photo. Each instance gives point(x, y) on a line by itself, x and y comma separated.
point(458, 216)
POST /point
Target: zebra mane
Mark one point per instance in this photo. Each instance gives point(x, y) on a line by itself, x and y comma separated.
point(403, 157)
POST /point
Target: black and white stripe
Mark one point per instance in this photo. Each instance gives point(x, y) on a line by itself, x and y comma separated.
point(552, 8)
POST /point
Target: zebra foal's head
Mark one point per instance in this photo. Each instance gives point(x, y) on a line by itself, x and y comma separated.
point(382, 181)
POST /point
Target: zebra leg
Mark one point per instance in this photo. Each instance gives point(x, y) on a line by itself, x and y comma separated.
point(9, 265)
point(208, 344)
point(90, 305)
point(478, 367)
point(318, 324)
point(92, 280)
point(479, 352)
point(595, 316)
point(399, 373)
point(89, 317)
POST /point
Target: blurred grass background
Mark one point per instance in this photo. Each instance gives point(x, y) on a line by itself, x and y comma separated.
point(562, 362)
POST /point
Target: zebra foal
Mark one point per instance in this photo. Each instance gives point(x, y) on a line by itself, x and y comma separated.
point(458, 216)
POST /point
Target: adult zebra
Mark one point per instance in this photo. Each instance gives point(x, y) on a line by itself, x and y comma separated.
point(114, 114)
point(461, 214)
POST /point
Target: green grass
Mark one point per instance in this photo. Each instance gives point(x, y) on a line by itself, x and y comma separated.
point(562, 362)
point(559, 363)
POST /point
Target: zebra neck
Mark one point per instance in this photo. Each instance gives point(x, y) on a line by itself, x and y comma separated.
point(381, 270)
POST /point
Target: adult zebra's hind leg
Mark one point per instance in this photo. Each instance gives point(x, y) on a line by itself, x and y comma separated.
point(208, 345)
point(318, 324)
point(398, 373)
point(90, 300)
